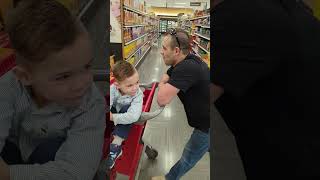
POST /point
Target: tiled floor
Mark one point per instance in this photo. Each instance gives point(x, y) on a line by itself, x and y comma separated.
point(226, 161)
point(167, 133)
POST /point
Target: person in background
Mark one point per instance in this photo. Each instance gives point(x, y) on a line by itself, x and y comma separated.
point(265, 85)
point(188, 78)
point(52, 116)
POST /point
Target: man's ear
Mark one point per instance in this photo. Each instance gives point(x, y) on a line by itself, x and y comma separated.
point(23, 75)
point(177, 50)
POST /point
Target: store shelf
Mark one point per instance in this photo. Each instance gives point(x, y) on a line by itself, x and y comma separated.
point(136, 39)
point(137, 50)
point(142, 57)
point(202, 36)
point(208, 27)
point(199, 17)
point(138, 25)
point(196, 52)
point(134, 10)
point(154, 36)
point(201, 47)
point(84, 10)
point(204, 49)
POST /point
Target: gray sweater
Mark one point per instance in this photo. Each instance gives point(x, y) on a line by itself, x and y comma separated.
point(118, 101)
point(23, 123)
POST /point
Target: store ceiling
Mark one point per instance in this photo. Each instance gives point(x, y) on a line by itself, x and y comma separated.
point(177, 3)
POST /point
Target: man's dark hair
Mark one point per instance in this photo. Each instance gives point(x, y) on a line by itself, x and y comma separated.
point(40, 28)
point(183, 38)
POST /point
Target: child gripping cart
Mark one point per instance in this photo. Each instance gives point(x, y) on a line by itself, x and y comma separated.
point(126, 99)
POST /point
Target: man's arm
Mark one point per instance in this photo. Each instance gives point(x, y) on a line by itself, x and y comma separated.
point(215, 92)
point(165, 78)
point(166, 93)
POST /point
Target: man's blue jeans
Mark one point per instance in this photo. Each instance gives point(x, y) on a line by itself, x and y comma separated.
point(197, 146)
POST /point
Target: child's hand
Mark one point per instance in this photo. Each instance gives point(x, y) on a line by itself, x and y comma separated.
point(111, 116)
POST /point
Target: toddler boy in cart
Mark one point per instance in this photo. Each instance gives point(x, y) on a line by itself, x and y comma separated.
point(126, 99)
point(52, 117)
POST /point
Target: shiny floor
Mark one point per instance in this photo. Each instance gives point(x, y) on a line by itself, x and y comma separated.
point(167, 133)
point(226, 161)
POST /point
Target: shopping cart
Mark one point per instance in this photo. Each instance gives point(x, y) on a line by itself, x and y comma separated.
point(132, 148)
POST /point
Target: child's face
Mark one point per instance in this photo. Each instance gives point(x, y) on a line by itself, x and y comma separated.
point(64, 77)
point(130, 85)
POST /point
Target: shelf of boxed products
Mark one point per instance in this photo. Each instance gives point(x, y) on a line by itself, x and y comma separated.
point(196, 52)
point(201, 17)
point(202, 26)
point(133, 18)
point(204, 56)
point(139, 37)
point(140, 57)
point(144, 52)
point(132, 34)
point(204, 43)
point(134, 10)
point(204, 49)
point(131, 49)
point(139, 54)
point(203, 36)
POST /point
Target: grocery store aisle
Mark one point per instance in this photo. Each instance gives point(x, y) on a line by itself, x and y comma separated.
point(167, 133)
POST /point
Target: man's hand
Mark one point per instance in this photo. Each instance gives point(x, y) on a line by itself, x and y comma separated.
point(215, 92)
point(110, 116)
point(165, 78)
point(160, 85)
point(4, 171)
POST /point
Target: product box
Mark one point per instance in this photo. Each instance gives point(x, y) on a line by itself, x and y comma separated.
point(131, 60)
